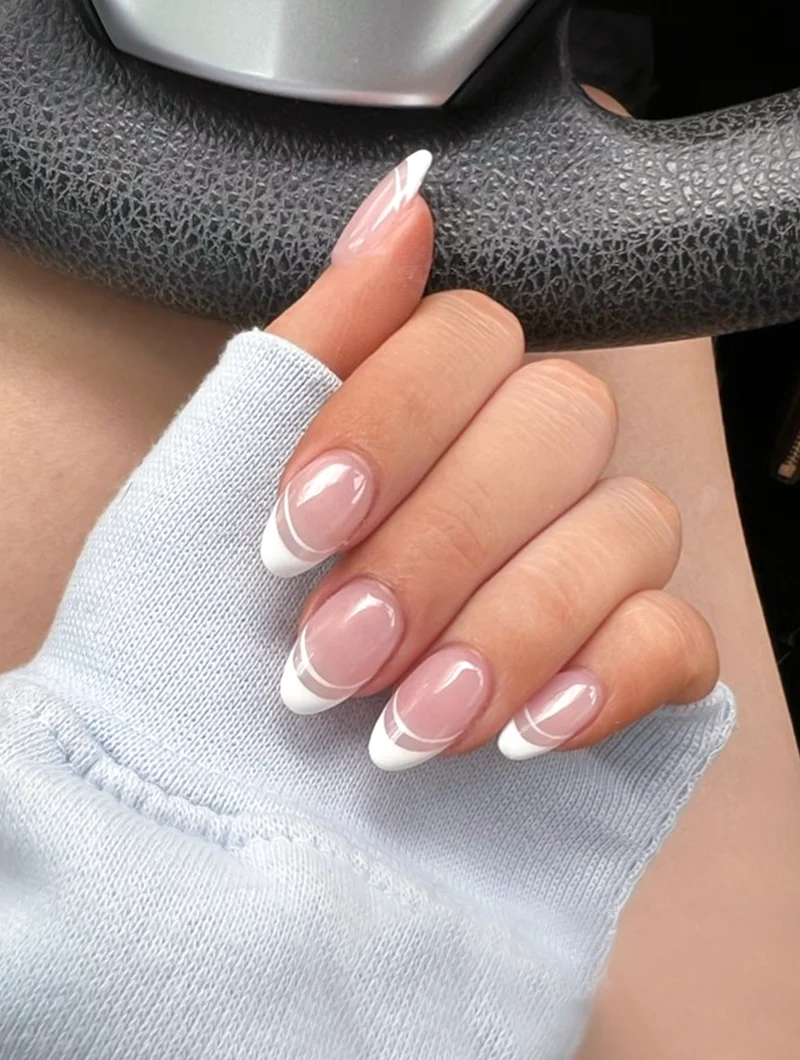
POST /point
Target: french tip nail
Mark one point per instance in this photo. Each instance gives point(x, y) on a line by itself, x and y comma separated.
point(378, 212)
point(562, 708)
point(514, 747)
point(299, 699)
point(419, 164)
point(386, 755)
point(276, 557)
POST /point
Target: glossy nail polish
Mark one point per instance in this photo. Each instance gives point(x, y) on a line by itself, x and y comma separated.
point(431, 708)
point(342, 646)
point(320, 508)
point(380, 210)
point(560, 710)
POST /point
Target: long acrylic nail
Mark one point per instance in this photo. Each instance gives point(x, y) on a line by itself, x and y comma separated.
point(560, 710)
point(379, 211)
point(342, 646)
point(431, 708)
point(321, 507)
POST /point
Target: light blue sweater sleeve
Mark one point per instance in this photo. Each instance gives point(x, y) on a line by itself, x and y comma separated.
point(187, 870)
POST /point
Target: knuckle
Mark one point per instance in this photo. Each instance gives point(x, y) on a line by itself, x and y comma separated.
point(559, 607)
point(423, 420)
point(698, 647)
point(582, 384)
point(664, 614)
point(562, 413)
point(478, 311)
point(459, 530)
point(560, 597)
point(470, 547)
point(650, 505)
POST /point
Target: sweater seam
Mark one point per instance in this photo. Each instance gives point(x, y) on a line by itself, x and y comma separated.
point(446, 901)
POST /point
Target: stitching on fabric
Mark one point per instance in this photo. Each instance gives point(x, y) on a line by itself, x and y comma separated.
point(247, 788)
point(415, 905)
point(445, 901)
point(33, 678)
point(449, 908)
point(226, 845)
point(104, 754)
point(720, 694)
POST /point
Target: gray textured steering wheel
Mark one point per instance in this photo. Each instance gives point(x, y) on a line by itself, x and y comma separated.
point(592, 227)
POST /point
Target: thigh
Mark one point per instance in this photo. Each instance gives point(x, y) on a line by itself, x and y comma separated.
point(705, 959)
point(705, 963)
point(88, 380)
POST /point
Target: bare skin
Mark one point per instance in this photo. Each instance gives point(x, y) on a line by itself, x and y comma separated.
point(705, 961)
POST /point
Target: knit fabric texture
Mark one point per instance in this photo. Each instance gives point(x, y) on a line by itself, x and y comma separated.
point(187, 870)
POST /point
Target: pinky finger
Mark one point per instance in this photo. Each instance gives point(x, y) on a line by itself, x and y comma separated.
point(654, 649)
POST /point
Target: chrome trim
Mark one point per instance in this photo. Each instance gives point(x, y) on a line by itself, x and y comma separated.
point(369, 52)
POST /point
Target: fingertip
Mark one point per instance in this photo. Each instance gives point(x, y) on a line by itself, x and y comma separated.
point(373, 227)
point(417, 228)
point(408, 252)
point(357, 304)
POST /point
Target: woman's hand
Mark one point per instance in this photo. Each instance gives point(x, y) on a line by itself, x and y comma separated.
point(487, 568)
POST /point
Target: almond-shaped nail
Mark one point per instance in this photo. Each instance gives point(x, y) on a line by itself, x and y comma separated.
point(320, 508)
point(342, 646)
point(559, 711)
point(431, 708)
point(377, 214)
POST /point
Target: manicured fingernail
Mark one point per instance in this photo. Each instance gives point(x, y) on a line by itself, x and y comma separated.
point(560, 710)
point(431, 708)
point(381, 208)
point(322, 506)
point(342, 646)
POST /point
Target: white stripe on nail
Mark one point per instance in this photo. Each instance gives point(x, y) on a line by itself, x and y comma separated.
point(298, 698)
point(276, 557)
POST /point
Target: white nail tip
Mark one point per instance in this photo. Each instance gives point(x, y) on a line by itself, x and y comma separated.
point(417, 166)
point(514, 747)
point(299, 699)
point(276, 557)
point(386, 755)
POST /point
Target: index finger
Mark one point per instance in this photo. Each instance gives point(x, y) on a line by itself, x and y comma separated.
point(379, 268)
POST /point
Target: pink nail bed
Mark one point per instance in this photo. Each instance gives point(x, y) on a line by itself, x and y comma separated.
point(559, 711)
point(431, 708)
point(342, 646)
point(322, 506)
point(377, 214)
